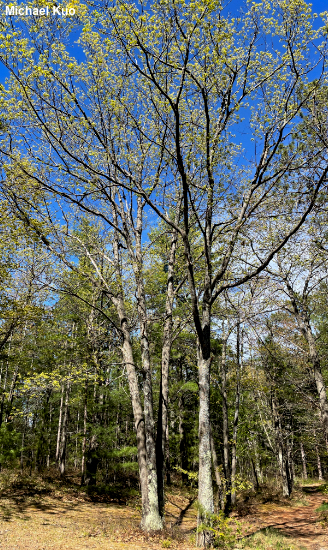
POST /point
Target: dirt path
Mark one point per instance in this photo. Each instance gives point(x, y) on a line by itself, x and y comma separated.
point(299, 522)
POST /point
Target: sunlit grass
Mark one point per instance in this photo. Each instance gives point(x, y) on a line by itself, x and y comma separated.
point(269, 539)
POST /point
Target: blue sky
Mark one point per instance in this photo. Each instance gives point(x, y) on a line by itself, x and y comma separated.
point(318, 6)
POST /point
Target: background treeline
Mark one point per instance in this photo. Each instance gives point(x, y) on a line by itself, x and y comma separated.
point(64, 393)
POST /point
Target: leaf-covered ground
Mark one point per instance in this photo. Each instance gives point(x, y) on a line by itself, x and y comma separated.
point(40, 516)
point(299, 521)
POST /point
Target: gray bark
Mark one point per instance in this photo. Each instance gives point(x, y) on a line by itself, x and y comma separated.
point(205, 486)
point(235, 422)
point(154, 512)
point(63, 438)
point(162, 443)
point(281, 453)
point(60, 420)
point(144, 424)
point(225, 429)
point(219, 482)
point(303, 461)
point(84, 440)
point(258, 470)
point(320, 476)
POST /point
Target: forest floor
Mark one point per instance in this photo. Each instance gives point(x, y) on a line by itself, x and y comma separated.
point(39, 515)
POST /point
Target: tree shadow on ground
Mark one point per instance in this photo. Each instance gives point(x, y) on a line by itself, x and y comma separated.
point(312, 489)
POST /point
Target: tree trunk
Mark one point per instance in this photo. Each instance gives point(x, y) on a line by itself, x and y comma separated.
point(2, 404)
point(235, 422)
point(151, 519)
point(205, 486)
point(77, 435)
point(63, 438)
point(162, 442)
point(91, 464)
point(320, 476)
point(218, 479)
point(281, 453)
point(154, 521)
point(60, 420)
point(84, 440)
point(303, 461)
point(225, 430)
point(259, 473)
point(22, 449)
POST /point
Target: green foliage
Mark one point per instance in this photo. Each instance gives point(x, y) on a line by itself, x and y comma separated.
point(192, 476)
point(9, 446)
point(166, 543)
point(224, 531)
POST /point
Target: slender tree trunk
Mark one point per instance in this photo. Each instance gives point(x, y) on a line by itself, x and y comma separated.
point(2, 404)
point(22, 449)
point(63, 439)
point(235, 422)
point(182, 442)
point(320, 476)
point(144, 421)
point(162, 442)
point(150, 516)
point(225, 430)
point(258, 470)
point(77, 435)
point(60, 420)
point(84, 440)
point(92, 461)
point(281, 452)
point(49, 437)
point(218, 479)
point(303, 461)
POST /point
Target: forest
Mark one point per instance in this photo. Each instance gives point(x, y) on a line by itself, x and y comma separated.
point(163, 255)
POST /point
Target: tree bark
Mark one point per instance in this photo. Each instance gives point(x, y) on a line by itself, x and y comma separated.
point(320, 476)
point(205, 486)
point(235, 422)
point(91, 463)
point(225, 429)
point(162, 443)
point(218, 479)
point(154, 516)
point(144, 424)
point(63, 438)
point(303, 461)
point(281, 452)
point(60, 420)
point(84, 440)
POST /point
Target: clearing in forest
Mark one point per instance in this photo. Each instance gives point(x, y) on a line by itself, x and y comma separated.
point(45, 516)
